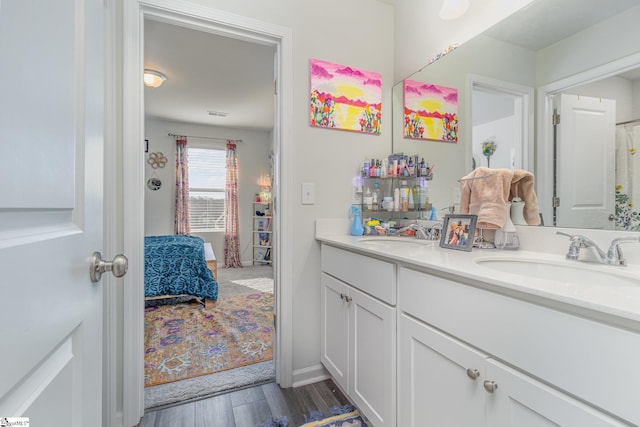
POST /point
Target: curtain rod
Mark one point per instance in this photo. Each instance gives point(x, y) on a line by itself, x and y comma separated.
point(205, 137)
point(628, 122)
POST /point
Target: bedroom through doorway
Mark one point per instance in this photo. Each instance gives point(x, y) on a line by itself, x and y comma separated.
point(184, 339)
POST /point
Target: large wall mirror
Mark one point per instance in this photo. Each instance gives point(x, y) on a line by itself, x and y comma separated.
point(577, 58)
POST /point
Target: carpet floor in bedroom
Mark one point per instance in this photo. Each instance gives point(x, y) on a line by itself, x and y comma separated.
point(231, 337)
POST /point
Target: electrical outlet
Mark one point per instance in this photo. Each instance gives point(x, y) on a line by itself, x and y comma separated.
point(308, 193)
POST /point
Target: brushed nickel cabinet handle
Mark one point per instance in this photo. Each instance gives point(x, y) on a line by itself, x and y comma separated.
point(473, 373)
point(490, 386)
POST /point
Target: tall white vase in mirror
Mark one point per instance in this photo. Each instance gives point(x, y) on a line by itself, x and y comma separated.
point(517, 211)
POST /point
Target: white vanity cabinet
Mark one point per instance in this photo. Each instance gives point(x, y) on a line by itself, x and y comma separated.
point(359, 330)
point(470, 357)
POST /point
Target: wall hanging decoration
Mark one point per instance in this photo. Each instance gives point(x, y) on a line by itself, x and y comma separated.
point(430, 111)
point(157, 160)
point(154, 183)
point(345, 98)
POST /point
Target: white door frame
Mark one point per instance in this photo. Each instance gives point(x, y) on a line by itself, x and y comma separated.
point(211, 20)
point(525, 116)
point(544, 113)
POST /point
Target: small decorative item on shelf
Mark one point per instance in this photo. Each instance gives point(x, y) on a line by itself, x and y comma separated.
point(488, 148)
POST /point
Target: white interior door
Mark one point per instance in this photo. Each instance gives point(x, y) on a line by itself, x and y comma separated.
point(586, 159)
point(51, 145)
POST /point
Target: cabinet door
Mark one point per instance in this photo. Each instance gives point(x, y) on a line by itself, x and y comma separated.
point(440, 380)
point(335, 328)
point(372, 381)
point(521, 401)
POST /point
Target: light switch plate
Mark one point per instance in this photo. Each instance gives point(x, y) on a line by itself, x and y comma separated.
point(308, 193)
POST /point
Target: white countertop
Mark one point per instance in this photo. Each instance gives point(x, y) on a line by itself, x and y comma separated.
point(619, 304)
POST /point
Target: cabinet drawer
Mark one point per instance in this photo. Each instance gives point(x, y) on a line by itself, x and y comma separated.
point(372, 276)
point(591, 360)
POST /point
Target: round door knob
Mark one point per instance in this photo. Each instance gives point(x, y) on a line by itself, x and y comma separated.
point(490, 386)
point(612, 217)
point(98, 266)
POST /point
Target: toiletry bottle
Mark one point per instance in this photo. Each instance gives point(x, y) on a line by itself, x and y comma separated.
point(375, 196)
point(404, 197)
point(378, 171)
point(365, 168)
point(372, 168)
point(423, 168)
point(414, 202)
point(410, 167)
point(396, 199)
point(384, 168)
point(368, 199)
point(356, 225)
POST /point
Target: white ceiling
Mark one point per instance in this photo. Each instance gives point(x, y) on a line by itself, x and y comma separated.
point(206, 72)
point(544, 22)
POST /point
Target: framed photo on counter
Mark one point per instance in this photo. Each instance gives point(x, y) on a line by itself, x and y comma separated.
point(458, 232)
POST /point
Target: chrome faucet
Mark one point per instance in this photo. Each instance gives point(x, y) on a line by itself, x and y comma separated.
point(425, 233)
point(613, 255)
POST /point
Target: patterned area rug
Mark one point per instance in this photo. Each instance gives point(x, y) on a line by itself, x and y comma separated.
point(262, 284)
point(188, 340)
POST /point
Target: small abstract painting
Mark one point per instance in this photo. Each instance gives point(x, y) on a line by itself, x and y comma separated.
point(430, 111)
point(345, 98)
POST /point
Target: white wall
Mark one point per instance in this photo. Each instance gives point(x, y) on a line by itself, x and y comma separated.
point(420, 34)
point(609, 40)
point(253, 160)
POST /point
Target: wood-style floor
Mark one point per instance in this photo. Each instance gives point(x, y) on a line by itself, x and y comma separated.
point(250, 407)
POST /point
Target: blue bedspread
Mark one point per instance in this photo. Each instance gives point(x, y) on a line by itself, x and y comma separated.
point(176, 265)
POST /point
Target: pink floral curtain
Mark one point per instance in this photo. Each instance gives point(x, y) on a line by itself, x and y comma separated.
point(231, 236)
point(181, 221)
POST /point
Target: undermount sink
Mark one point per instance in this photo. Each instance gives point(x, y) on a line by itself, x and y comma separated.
point(393, 240)
point(561, 271)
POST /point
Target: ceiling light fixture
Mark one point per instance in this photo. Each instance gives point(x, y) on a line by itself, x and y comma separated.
point(153, 78)
point(452, 9)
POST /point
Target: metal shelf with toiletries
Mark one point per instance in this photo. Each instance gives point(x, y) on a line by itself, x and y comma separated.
point(394, 199)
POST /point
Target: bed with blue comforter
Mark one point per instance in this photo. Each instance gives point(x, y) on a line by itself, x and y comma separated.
point(175, 265)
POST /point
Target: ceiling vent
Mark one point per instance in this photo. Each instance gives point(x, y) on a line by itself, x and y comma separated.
point(218, 113)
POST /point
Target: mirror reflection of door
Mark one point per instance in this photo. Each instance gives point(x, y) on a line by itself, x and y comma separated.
point(500, 115)
point(585, 172)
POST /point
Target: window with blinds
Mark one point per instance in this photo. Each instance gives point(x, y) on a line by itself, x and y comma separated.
point(207, 177)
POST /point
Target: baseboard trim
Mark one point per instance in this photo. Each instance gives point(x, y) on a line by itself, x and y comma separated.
point(309, 375)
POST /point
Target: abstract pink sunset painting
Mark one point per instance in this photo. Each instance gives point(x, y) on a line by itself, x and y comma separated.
point(430, 111)
point(345, 98)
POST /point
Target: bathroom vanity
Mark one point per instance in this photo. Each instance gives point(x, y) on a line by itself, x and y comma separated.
point(418, 335)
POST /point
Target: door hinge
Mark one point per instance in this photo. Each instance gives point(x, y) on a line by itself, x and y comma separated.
point(275, 324)
point(556, 119)
point(555, 202)
point(275, 87)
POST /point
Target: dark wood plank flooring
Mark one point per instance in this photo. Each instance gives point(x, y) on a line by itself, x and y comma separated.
point(250, 407)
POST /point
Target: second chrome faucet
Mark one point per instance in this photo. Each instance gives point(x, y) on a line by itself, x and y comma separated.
point(612, 257)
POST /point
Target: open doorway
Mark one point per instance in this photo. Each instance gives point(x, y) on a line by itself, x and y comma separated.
point(502, 132)
point(214, 21)
point(217, 89)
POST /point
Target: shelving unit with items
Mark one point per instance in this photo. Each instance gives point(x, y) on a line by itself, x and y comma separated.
point(262, 233)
